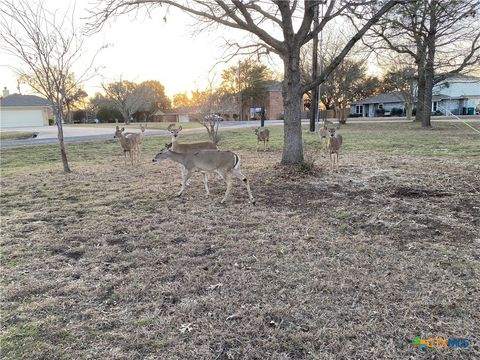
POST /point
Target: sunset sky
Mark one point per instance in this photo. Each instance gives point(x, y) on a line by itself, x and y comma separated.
point(146, 49)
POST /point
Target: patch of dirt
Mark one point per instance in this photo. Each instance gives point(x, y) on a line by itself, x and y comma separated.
point(354, 264)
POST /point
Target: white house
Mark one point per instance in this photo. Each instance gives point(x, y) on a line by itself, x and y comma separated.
point(23, 110)
point(459, 95)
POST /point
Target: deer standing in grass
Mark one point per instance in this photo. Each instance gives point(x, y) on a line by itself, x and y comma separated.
point(187, 148)
point(130, 143)
point(224, 163)
point(334, 142)
point(263, 134)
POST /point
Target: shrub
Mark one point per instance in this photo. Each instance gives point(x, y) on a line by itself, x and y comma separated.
point(51, 122)
point(355, 115)
point(380, 112)
point(107, 114)
point(396, 112)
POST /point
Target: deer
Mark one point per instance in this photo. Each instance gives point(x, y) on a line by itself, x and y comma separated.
point(128, 142)
point(138, 138)
point(263, 134)
point(187, 148)
point(334, 142)
point(224, 163)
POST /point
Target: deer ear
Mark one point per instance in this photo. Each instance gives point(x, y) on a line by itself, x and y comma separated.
point(118, 127)
point(123, 129)
point(180, 128)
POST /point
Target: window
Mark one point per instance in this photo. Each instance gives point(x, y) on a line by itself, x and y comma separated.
point(380, 106)
point(359, 109)
point(435, 106)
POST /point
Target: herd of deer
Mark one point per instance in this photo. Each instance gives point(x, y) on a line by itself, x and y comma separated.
point(206, 158)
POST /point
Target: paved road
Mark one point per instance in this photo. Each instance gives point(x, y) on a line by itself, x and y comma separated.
point(76, 134)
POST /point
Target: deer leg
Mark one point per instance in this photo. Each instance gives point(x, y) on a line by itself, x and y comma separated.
point(184, 182)
point(228, 179)
point(205, 182)
point(236, 173)
point(125, 157)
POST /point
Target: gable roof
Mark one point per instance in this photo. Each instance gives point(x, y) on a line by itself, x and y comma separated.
point(392, 97)
point(23, 100)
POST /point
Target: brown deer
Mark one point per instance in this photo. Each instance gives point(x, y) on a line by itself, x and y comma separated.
point(263, 134)
point(334, 142)
point(224, 163)
point(129, 144)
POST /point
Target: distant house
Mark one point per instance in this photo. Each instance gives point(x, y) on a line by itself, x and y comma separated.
point(379, 105)
point(171, 115)
point(459, 95)
point(272, 103)
point(23, 110)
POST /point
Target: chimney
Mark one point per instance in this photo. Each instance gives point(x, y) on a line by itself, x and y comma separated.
point(5, 92)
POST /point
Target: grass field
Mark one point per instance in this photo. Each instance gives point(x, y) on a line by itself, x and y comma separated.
point(15, 135)
point(106, 263)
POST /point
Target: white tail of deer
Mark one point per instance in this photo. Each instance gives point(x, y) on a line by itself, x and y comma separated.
point(224, 163)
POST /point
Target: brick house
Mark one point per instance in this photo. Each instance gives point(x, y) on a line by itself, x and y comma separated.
point(272, 102)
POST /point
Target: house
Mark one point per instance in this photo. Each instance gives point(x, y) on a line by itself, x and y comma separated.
point(23, 110)
point(379, 105)
point(458, 95)
point(272, 103)
point(171, 115)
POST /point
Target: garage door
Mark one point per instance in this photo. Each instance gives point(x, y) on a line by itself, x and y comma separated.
point(20, 118)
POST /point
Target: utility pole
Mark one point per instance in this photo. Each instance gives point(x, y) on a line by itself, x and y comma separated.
point(320, 87)
point(314, 98)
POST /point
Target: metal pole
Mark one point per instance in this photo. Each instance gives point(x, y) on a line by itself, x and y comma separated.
point(314, 97)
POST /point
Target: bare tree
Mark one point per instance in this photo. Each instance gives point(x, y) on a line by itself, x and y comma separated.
point(128, 97)
point(289, 25)
point(401, 77)
point(46, 45)
point(441, 36)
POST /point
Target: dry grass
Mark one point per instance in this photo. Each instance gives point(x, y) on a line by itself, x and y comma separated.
point(106, 263)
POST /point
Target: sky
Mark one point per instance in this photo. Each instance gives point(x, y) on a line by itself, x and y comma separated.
point(145, 48)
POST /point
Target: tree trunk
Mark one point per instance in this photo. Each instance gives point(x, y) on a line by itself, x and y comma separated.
point(292, 135)
point(420, 94)
point(429, 66)
point(63, 153)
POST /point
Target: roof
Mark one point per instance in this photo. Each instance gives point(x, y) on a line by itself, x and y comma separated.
point(393, 97)
point(461, 78)
point(23, 100)
point(273, 86)
point(439, 97)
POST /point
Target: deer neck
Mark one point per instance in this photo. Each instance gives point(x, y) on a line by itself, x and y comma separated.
point(177, 157)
